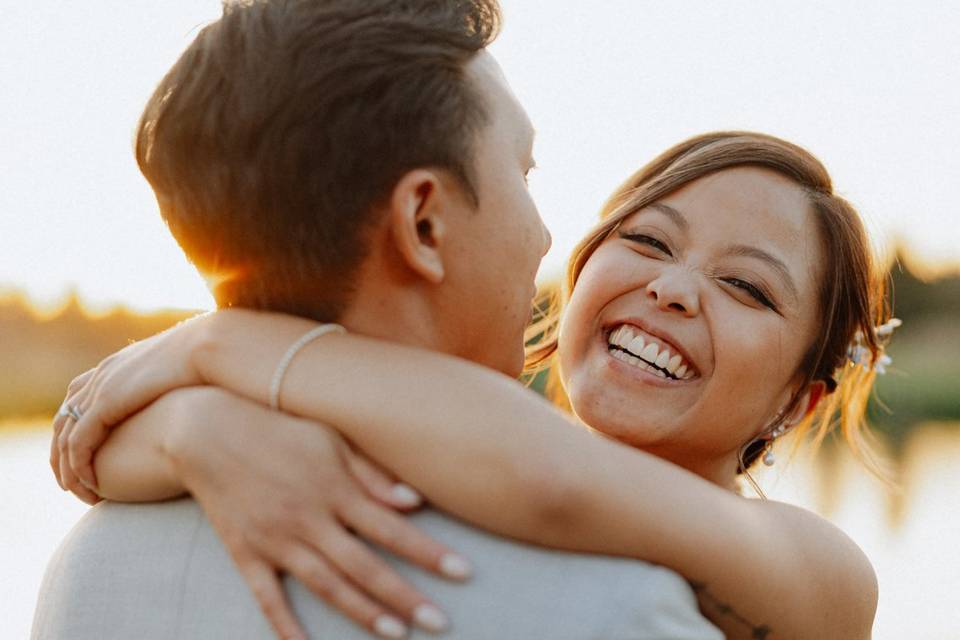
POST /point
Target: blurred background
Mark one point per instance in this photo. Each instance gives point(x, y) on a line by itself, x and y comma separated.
point(872, 88)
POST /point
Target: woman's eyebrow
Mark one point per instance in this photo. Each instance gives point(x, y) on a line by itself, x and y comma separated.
point(748, 251)
point(675, 216)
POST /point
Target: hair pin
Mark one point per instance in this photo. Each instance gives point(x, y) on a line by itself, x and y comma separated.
point(860, 355)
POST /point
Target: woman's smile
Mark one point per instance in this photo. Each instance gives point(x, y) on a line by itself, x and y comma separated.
point(631, 344)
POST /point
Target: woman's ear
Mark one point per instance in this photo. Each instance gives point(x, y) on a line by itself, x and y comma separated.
point(416, 222)
point(807, 403)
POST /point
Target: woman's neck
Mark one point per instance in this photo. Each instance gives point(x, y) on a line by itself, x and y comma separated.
point(720, 471)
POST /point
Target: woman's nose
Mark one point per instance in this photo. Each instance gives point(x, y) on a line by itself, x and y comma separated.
point(674, 291)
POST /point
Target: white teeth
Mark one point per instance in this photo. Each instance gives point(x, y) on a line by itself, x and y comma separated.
point(663, 359)
point(626, 335)
point(632, 347)
point(649, 353)
point(636, 345)
point(622, 336)
point(616, 335)
point(626, 357)
point(674, 363)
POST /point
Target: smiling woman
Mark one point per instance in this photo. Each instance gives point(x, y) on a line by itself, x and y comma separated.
point(733, 312)
point(731, 236)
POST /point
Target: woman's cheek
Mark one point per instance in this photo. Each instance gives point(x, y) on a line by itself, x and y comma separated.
point(745, 356)
point(759, 365)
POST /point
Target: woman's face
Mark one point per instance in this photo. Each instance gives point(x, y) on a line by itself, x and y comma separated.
point(720, 277)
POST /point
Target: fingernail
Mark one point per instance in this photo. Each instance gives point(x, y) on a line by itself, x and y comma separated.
point(428, 617)
point(405, 495)
point(454, 566)
point(389, 627)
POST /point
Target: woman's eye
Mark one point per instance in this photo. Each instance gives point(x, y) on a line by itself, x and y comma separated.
point(753, 291)
point(647, 240)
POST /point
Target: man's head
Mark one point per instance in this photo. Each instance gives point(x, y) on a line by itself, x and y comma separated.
point(453, 273)
point(280, 142)
point(285, 123)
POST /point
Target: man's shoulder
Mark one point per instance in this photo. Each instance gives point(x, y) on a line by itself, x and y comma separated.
point(587, 595)
point(168, 557)
point(503, 556)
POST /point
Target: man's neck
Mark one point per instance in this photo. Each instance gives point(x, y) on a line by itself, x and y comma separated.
point(394, 317)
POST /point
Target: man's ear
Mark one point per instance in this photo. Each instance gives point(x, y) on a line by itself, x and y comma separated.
point(808, 402)
point(416, 219)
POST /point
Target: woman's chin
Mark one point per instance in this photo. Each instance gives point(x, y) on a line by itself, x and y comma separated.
point(639, 433)
point(639, 417)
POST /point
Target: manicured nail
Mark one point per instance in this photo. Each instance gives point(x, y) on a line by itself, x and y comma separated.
point(405, 495)
point(389, 627)
point(428, 617)
point(454, 566)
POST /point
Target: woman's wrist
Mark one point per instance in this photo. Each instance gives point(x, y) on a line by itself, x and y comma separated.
point(138, 462)
point(196, 411)
point(200, 341)
point(208, 340)
point(239, 349)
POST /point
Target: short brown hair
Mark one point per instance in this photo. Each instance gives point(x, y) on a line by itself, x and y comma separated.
point(281, 127)
point(852, 291)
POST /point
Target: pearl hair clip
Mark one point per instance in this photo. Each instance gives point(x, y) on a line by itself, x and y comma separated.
point(859, 355)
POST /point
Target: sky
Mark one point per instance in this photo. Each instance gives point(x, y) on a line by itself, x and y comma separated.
point(872, 88)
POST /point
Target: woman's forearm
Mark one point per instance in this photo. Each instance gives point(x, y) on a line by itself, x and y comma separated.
point(132, 465)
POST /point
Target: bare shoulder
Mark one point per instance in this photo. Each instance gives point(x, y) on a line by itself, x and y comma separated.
point(832, 568)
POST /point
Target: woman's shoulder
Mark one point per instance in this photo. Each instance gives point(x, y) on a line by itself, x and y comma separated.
point(835, 567)
point(803, 522)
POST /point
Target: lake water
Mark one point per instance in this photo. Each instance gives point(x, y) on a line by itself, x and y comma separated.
point(913, 540)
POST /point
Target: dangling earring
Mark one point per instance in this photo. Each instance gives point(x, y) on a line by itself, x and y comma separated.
point(769, 458)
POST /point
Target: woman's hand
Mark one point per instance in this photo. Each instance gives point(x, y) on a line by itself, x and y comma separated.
point(118, 387)
point(285, 495)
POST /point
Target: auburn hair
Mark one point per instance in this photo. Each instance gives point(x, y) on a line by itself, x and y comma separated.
point(852, 293)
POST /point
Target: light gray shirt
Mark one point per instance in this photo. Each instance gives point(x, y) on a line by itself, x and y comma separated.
point(159, 572)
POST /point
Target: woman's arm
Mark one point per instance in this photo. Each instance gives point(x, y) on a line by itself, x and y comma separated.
point(482, 447)
point(133, 464)
point(284, 494)
point(207, 425)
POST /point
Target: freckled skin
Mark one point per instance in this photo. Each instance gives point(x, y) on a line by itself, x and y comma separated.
point(496, 249)
point(746, 355)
